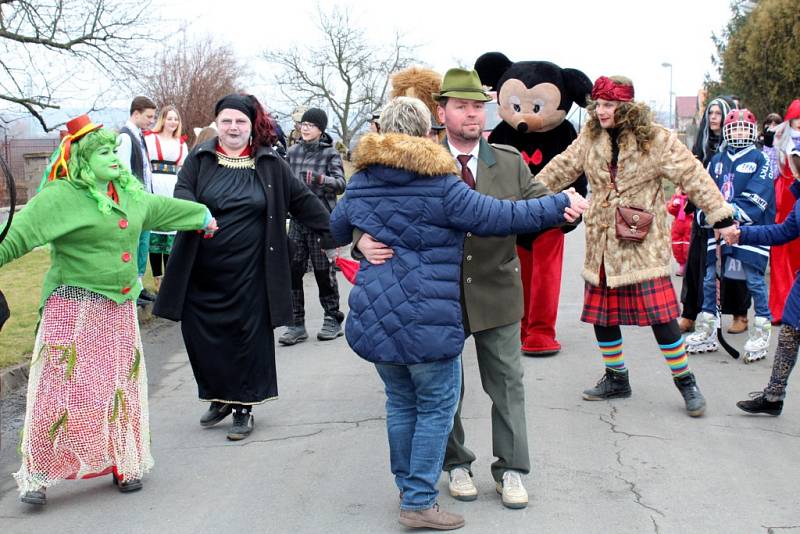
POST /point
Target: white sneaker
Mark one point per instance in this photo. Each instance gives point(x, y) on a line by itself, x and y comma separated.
point(461, 486)
point(513, 492)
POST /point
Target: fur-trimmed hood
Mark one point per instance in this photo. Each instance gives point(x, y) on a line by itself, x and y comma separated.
point(400, 151)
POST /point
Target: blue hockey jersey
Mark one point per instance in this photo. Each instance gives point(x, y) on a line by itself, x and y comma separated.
point(745, 180)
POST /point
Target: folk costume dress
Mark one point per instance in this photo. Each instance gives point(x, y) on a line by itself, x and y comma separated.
point(226, 322)
point(87, 390)
point(166, 158)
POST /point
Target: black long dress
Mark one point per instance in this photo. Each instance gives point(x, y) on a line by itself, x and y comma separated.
point(225, 324)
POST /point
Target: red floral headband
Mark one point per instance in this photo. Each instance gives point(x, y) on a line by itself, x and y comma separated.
point(608, 89)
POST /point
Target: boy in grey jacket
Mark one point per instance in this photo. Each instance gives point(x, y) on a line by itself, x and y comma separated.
point(315, 162)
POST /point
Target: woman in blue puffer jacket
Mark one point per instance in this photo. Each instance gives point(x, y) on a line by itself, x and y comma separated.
point(405, 315)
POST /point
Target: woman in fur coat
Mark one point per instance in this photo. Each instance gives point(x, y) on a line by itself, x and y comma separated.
point(625, 157)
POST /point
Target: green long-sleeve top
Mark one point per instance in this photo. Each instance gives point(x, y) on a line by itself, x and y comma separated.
point(90, 249)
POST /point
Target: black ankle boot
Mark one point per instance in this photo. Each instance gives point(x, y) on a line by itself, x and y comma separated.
point(243, 423)
point(613, 385)
point(759, 404)
point(695, 402)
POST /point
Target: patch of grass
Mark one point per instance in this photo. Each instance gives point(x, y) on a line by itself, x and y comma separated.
point(21, 282)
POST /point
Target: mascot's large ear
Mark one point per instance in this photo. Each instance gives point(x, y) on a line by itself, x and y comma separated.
point(578, 86)
point(491, 66)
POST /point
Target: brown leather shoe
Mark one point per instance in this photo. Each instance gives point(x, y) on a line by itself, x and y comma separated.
point(739, 324)
point(686, 325)
point(431, 518)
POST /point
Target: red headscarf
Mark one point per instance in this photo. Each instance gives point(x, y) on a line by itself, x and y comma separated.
point(608, 89)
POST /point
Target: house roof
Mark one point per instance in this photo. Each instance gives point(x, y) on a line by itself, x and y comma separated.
point(685, 106)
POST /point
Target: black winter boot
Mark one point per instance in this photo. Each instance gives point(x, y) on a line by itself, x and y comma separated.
point(613, 385)
point(695, 402)
point(758, 403)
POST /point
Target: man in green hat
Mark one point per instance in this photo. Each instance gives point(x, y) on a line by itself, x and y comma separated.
point(492, 298)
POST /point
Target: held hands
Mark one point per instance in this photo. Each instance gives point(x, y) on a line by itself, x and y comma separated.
point(331, 254)
point(210, 229)
point(730, 234)
point(374, 252)
point(577, 205)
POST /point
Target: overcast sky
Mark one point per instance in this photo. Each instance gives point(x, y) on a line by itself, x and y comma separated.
point(632, 38)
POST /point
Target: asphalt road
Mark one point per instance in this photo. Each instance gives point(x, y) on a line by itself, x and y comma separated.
point(318, 459)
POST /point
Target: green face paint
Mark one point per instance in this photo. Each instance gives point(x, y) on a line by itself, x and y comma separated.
point(104, 163)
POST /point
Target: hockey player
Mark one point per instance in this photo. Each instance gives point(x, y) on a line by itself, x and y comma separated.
point(744, 177)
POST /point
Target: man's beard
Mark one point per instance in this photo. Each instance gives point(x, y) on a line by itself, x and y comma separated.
point(467, 135)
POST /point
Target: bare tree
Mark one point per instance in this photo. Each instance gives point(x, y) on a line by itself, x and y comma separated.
point(51, 50)
point(192, 76)
point(346, 73)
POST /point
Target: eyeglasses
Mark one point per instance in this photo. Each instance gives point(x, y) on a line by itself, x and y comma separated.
point(307, 125)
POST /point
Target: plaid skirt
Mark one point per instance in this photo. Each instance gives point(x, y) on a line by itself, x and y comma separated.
point(641, 304)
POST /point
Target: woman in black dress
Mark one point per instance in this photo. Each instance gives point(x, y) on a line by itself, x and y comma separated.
point(231, 291)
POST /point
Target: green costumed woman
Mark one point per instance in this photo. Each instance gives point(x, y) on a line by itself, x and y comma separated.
point(86, 412)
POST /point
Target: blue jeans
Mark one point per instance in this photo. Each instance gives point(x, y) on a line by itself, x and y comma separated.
point(421, 401)
point(755, 283)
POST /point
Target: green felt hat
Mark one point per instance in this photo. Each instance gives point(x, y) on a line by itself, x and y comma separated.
point(462, 83)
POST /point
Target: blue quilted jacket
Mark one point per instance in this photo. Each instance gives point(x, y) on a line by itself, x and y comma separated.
point(405, 194)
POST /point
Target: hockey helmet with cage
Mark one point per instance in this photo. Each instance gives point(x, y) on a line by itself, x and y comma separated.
point(740, 128)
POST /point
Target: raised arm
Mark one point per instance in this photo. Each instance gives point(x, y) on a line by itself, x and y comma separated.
point(45, 218)
point(468, 210)
point(167, 214)
point(566, 167)
point(680, 167)
point(771, 234)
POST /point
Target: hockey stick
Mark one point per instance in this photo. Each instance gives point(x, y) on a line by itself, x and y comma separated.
point(719, 272)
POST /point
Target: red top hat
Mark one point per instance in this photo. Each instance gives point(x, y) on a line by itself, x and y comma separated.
point(76, 128)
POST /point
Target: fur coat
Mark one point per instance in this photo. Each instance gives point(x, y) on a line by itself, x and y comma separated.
point(639, 182)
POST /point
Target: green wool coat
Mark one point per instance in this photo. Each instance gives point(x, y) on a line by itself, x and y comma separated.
point(89, 249)
point(490, 279)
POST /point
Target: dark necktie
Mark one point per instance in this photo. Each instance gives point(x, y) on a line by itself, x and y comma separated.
point(466, 174)
point(142, 141)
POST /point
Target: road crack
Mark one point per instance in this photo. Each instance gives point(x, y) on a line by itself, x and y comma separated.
point(771, 530)
point(611, 421)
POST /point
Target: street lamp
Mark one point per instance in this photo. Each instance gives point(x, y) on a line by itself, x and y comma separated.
point(665, 65)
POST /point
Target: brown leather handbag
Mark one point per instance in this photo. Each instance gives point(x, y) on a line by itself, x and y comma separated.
point(632, 223)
